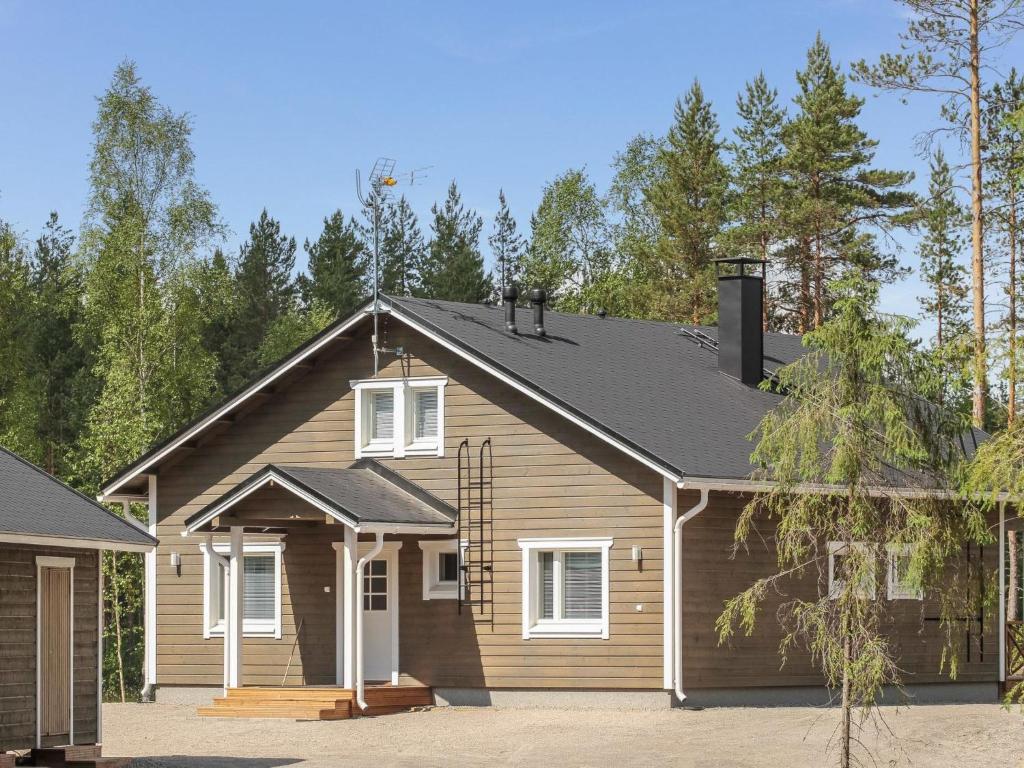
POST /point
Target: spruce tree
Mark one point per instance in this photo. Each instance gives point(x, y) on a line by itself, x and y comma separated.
point(337, 267)
point(454, 267)
point(691, 203)
point(264, 289)
point(217, 303)
point(61, 366)
point(402, 250)
point(837, 200)
point(507, 246)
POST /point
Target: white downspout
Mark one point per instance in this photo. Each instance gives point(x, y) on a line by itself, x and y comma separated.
point(226, 565)
point(677, 574)
point(360, 681)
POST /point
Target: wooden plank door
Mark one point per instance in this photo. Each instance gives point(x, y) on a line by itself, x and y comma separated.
point(55, 640)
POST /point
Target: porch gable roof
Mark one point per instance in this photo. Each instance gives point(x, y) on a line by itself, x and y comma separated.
point(366, 495)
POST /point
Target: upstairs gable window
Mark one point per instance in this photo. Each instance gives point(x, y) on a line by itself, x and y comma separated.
point(399, 417)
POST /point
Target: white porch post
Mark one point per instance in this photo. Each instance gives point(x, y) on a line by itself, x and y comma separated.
point(149, 627)
point(348, 557)
point(235, 607)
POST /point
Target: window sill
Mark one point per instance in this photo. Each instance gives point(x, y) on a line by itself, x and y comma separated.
point(385, 450)
point(423, 449)
point(442, 592)
point(594, 629)
point(248, 631)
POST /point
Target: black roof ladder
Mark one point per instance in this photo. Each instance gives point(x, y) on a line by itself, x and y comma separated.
point(476, 531)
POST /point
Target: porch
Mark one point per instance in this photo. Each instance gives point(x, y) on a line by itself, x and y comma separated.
point(357, 519)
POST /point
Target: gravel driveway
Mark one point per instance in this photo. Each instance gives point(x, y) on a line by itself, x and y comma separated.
point(171, 735)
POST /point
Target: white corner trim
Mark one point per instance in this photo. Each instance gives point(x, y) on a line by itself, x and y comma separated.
point(275, 548)
point(432, 588)
point(563, 628)
point(43, 561)
point(669, 508)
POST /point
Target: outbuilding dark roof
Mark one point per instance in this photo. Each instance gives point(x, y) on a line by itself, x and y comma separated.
point(34, 503)
point(364, 492)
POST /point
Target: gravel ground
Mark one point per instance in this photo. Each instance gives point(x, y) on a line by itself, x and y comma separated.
point(171, 735)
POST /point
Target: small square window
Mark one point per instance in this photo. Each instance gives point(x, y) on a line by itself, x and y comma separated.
point(448, 567)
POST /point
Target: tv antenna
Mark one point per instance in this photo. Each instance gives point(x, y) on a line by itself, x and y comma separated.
point(382, 178)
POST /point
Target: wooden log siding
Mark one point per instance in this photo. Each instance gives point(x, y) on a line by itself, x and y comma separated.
point(551, 479)
point(711, 575)
point(18, 643)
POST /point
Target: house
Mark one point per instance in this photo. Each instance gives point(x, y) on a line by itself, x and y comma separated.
point(485, 501)
point(51, 644)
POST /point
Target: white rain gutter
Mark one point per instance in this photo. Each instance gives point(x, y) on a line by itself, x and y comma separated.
point(677, 577)
point(226, 565)
point(360, 677)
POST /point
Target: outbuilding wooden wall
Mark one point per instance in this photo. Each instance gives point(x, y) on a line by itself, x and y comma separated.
point(18, 643)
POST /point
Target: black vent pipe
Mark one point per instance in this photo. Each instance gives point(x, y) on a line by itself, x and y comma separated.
point(740, 304)
point(537, 298)
point(509, 296)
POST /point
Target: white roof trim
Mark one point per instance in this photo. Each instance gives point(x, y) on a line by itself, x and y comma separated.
point(531, 393)
point(761, 486)
point(232, 403)
point(271, 477)
point(60, 541)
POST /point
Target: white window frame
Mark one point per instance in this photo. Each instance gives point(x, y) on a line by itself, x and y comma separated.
point(250, 627)
point(534, 628)
point(433, 587)
point(895, 590)
point(404, 442)
point(835, 585)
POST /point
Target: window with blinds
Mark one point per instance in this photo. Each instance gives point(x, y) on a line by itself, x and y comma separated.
point(569, 585)
point(259, 589)
point(382, 416)
point(425, 414)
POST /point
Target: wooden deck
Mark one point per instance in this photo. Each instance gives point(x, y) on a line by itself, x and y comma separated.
point(316, 702)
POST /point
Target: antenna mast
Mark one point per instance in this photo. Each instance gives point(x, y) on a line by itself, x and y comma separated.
point(381, 180)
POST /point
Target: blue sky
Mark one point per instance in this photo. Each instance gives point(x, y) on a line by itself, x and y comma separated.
point(289, 99)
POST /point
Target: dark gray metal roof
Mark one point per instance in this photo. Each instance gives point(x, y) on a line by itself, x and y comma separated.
point(644, 382)
point(34, 503)
point(364, 492)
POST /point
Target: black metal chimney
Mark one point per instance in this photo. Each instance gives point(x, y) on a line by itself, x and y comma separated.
point(740, 340)
point(509, 295)
point(537, 298)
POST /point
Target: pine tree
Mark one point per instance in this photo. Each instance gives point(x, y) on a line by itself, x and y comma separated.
point(454, 267)
point(507, 246)
point(570, 251)
point(402, 250)
point(836, 195)
point(758, 202)
point(691, 203)
point(945, 278)
point(61, 367)
point(945, 51)
point(337, 267)
point(265, 291)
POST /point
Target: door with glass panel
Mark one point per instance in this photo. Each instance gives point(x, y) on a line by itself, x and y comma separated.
point(380, 595)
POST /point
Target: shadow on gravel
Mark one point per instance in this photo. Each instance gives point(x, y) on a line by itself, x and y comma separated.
point(212, 761)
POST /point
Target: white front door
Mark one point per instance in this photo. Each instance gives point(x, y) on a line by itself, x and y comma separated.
point(380, 617)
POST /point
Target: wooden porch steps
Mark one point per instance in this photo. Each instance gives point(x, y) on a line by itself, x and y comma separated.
point(316, 703)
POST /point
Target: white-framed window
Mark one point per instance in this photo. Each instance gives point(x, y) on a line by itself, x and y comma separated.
point(400, 417)
point(565, 587)
point(899, 564)
point(837, 551)
point(442, 575)
point(261, 590)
